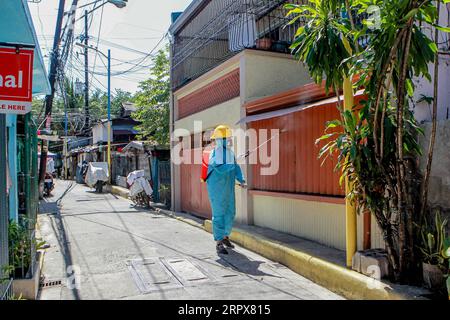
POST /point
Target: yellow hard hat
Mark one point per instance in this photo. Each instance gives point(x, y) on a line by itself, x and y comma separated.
point(222, 131)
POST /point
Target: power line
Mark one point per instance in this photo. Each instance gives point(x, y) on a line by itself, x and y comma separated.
point(99, 32)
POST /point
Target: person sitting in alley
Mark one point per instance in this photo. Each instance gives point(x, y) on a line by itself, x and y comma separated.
point(222, 173)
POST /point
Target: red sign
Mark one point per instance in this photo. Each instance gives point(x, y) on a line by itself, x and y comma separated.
point(16, 80)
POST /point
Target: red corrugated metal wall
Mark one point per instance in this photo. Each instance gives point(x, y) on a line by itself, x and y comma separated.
point(223, 89)
point(300, 170)
point(194, 195)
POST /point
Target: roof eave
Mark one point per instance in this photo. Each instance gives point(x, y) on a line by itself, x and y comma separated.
point(186, 15)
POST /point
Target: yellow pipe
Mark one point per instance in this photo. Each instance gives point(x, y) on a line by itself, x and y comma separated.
point(350, 209)
point(66, 162)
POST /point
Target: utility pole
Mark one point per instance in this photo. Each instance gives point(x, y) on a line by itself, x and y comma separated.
point(109, 114)
point(52, 78)
point(86, 71)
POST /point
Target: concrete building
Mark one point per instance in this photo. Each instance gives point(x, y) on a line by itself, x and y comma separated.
point(238, 72)
point(18, 136)
point(235, 69)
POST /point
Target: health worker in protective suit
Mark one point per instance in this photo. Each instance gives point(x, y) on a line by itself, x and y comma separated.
point(223, 171)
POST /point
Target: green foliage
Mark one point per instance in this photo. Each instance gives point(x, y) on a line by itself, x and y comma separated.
point(153, 101)
point(446, 254)
point(98, 107)
point(377, 142)
point(319, 43)
point(434, 245)
point(20, 246)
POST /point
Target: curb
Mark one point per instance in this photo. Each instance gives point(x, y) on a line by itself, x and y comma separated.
point(345, 282)
point(177, 217)
point(119, 191)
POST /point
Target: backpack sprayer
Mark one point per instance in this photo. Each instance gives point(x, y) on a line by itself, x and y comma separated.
point(206, 155)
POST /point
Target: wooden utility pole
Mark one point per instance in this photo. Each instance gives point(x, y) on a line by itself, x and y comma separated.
point(52, 79)
point(86, 71)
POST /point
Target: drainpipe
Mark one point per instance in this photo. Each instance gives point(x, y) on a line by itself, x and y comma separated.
point(350, 208)
point(3, 199)
point(27, 165)
point(11, 121)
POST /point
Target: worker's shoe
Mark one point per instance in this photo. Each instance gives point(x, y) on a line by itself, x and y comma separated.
point(220, 248)
point(228, 243)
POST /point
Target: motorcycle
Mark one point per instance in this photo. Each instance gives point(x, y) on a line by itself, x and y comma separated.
point(140, 190)
point(97, 175)
point(48, 184)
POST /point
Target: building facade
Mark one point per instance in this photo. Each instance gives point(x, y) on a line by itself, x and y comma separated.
point(230, 64)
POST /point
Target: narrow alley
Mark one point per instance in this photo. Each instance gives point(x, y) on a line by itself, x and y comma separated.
point(101, 247)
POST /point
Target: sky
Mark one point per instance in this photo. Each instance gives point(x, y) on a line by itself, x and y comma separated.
point(139, 27)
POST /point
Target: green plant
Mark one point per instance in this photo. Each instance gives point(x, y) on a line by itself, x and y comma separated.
point(376, 143)
point(446, 254)
point(21, 245)
point(6, 270)
point(153, 99)
point(433, 242)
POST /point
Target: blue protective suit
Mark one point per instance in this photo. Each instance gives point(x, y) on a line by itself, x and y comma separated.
point(222, 173)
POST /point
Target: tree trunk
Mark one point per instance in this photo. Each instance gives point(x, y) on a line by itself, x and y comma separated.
point(426, 178)
point(402, 207)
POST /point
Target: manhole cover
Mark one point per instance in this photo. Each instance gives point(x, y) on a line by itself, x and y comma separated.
point(152, 275)
point(186, 271)
point(156, 274)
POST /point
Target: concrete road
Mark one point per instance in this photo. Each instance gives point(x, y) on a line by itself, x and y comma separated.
point(101, 247)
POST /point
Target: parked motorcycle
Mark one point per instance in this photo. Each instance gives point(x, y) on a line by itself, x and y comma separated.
point(48, 184)
point(140, 190)
point(97, 175)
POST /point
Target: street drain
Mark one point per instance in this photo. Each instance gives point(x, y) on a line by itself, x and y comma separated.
point(50, 283)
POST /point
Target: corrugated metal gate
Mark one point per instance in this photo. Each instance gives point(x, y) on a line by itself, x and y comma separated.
point(300, 169)
point(194, 195)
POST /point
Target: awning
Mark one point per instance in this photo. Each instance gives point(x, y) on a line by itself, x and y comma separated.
point(283, 112)
point(16, 26)
point(124, 132)
point(137, 145)
point(49, 138)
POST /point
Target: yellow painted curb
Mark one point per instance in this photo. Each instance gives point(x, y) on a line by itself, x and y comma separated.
point(174, 216)
point(119, 191)
point(340, 280)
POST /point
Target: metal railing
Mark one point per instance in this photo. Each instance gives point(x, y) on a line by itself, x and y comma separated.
point(6, 292)
point(223, 28)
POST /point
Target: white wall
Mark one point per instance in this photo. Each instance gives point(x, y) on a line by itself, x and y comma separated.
point(267, 73)
point(100, 133)
point(422, 111)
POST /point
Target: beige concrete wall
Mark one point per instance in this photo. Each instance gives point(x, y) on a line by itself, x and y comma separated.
point(439, 188)
point(225, 113)
point(317, 221)
point(264, 74)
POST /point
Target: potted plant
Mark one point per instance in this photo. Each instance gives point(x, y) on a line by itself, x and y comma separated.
point(446, 254)
point(23, 248)
point(434, 262)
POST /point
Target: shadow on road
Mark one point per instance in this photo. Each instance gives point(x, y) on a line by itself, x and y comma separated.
point(242, 263)
point(59, 230)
